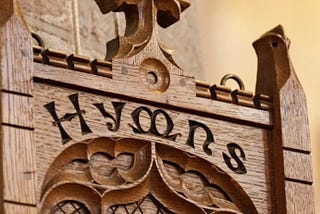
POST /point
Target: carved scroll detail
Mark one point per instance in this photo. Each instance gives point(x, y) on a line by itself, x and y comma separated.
point(106, 175)
point(141, 17)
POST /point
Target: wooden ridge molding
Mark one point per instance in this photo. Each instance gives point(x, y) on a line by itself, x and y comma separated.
point(140, 48)
point(104, 68)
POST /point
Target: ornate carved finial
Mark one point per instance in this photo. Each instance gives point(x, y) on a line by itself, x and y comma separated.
point(141, 17)
point(274, 64)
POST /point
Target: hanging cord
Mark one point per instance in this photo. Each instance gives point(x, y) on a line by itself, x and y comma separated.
point(76, 27)
point(116, 20)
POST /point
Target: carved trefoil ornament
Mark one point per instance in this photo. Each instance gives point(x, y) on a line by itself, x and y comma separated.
point(105, 175)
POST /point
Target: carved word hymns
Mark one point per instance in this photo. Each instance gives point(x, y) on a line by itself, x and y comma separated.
point(153, 130)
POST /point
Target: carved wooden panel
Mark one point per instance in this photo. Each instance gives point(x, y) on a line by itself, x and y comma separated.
point(83, 129)
point(136, 134)
point(122, 174)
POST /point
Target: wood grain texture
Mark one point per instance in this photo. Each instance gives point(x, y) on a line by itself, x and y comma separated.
point(10, 208)
point(297, 166)
point(104, 68)
point(181, 92)
point(252, 139)
point(276, 78)
point(299, 198)
point(16, 77)
point(17, 110)
point(105, 162)
point(131, 179)
point(19, 166)
point(294, 116)
point(16, 49)
point(6, 12)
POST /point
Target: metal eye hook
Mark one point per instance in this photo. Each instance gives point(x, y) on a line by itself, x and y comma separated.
point(39, 40)
point(235, 78)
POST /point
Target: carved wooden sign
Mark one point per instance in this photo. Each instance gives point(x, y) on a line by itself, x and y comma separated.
point(136, 134)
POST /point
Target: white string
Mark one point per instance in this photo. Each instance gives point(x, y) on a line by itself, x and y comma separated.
point(76, 27)
point(116, 24)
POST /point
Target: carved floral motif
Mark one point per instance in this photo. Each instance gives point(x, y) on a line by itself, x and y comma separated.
point(106, 175)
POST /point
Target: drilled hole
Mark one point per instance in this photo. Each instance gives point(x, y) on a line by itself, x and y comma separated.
point(152, 77)
point(274, 44)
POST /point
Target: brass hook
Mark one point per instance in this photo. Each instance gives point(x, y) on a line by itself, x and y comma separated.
point(235, 78)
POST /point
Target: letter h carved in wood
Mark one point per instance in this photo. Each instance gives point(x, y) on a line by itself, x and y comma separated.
point(68, 117)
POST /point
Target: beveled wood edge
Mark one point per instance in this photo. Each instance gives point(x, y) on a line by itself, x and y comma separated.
point(299, 197)
point(299, 188)
point(17, 104)
point(297, 166)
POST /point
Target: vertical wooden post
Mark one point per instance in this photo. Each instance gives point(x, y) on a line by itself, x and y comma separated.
point(290, 140)
point(17, 141)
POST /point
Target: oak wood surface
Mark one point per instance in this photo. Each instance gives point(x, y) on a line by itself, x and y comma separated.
point(179, 145)
point(10, 208)
point(299, 198)
point(277, 78)
point(294, 117)
point(297, 166)
point(176, 96)
point(253, 140)
point(17, 145)
point(16, 66)
point(17, 110)
point(19, 165)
